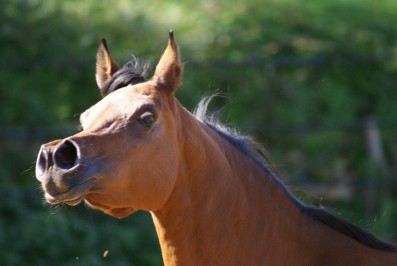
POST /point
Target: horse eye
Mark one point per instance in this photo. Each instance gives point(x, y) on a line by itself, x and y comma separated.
point(148, 118)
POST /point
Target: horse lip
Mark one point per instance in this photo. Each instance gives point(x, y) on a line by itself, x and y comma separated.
point(73, 196)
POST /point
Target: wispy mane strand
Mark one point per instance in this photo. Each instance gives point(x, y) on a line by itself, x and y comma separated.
point(244, 143)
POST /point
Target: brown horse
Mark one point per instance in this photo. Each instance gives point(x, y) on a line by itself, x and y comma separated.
point(213, 196)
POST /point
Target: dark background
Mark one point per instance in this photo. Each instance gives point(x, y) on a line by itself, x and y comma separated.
point(314, 81)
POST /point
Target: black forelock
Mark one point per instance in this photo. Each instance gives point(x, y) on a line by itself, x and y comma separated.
point(131, 73)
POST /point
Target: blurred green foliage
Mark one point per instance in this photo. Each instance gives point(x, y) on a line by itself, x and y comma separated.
point(299, 75)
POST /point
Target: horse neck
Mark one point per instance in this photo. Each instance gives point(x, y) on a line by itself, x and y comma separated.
point(227, 210)
point(222, 198)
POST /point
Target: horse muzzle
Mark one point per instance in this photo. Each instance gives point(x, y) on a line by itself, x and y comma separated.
point(59, 169)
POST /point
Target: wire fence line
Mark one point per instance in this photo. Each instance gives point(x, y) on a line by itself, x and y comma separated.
point(30, 133)
point(25, 133)
point(279, 61)
point(321, 189)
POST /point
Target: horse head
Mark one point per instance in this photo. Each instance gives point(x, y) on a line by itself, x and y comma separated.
point(125, 157)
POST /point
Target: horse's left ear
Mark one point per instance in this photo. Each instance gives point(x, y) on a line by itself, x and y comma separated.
point(169, 69)
point(106, 66)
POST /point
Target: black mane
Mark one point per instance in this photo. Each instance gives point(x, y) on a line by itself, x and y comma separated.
point(256, 152)
point(349, 229)
point(132, 73)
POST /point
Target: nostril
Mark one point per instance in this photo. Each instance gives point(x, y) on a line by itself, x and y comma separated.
point(66, 155)
point(42, 162)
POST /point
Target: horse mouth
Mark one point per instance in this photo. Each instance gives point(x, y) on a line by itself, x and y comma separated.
point(71, 197)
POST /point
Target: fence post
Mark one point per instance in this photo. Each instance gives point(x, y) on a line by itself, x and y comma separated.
point(377, 165)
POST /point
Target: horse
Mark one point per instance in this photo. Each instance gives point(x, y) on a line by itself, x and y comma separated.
point(214, 197)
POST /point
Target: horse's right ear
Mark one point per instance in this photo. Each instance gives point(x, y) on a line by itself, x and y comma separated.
point(105, 65)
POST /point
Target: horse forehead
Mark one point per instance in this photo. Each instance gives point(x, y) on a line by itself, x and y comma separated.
point(123, 101)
